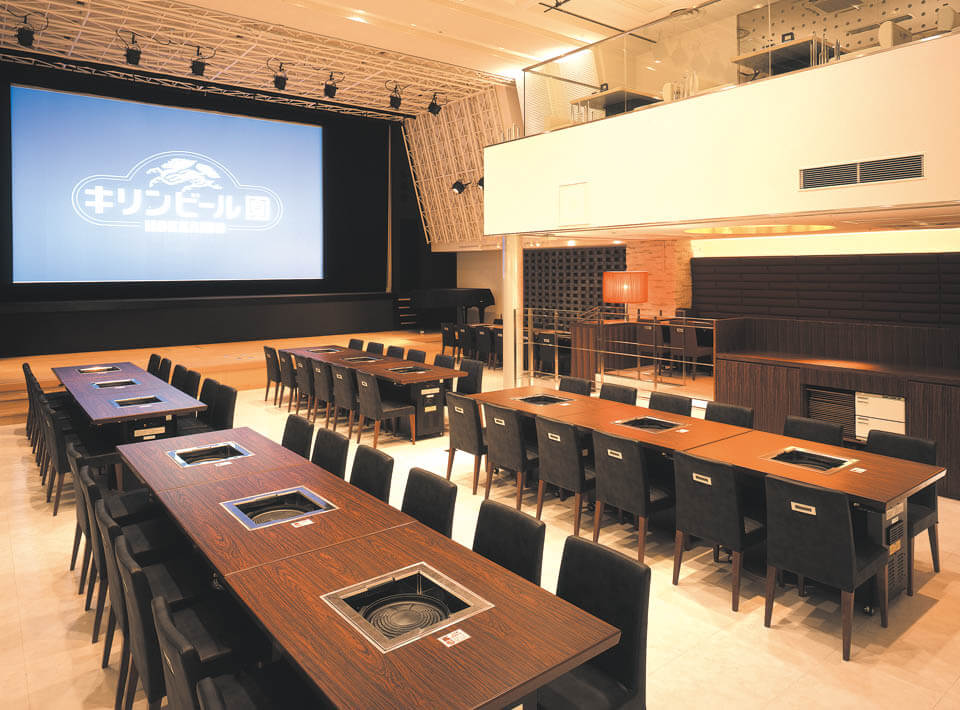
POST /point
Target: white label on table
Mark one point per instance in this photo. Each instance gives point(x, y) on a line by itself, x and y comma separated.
point(301, 523)
point(859, 470)
point(454, 637)
point(681, 431)
point(224, 463)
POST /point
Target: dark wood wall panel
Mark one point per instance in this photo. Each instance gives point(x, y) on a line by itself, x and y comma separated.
point(773, 392)
point(931, 414)
point(920, 289)
point(568, 280)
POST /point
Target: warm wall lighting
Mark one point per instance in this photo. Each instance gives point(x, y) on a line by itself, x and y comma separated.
point(625, 286)
point(749, 230)
point(571, 243)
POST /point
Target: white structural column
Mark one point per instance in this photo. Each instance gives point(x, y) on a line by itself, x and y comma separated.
point(512, 309)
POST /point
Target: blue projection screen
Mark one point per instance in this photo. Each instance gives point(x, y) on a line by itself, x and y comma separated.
point(106, 190)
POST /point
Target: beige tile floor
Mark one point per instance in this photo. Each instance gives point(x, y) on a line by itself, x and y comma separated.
point(700, 654)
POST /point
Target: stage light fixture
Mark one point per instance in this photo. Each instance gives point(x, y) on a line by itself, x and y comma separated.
point(198, 65)
point(480, 183)
point(280, 78)
point(25, 35)
point(459, 186)
point(132, 53)
point(435, 105)
point(395, 98)
point(330, 85)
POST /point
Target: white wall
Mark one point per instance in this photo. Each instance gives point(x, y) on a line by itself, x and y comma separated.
point(482, 269)
point(737, 153)
point(908, 241)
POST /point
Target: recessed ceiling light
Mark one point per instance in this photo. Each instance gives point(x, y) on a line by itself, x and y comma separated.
point(761, 229)
point(357, 18)
point(571, 243)
point(618, 241)
point(651, 68)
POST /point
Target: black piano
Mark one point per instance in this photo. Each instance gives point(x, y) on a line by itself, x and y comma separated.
point(436, 305)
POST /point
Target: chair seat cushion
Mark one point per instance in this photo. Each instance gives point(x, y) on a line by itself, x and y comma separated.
point(870, 557)
point(130, 506)
point(220, 633)
point(397, 409)
point(584, 688)
point(179, 581)
point(919, 518)
point(152, 540)
point(751, 526)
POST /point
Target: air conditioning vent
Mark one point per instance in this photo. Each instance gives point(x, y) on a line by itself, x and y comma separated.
point(909, 166)
point(906, 167)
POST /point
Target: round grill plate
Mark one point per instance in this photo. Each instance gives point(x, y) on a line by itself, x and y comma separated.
point(402, 613)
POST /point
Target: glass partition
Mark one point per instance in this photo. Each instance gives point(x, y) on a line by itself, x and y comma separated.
point(716, 45)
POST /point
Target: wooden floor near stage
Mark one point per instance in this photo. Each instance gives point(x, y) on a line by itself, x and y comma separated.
point(239, 364)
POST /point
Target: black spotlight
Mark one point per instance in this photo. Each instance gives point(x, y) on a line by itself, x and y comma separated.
point(198, 66)
point(25, 35)
point(395, 99)
point(133, 53)
point(459, 186)
point(480, 183)
point(434, 106)
point(330, 87)
point(280, 78)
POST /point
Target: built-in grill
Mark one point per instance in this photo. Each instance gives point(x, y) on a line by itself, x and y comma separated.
point(97, 369)
point(402, 606)
point(542, 399)
point(648, 423)
point(796, 456)
point(408, 369)
point(137, 401)
point(287, 505)
point(361, 358)
point(114, 383)
point(211, 453)
point(325, 349)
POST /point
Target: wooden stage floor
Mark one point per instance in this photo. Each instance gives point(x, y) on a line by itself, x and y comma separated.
point(238, 364)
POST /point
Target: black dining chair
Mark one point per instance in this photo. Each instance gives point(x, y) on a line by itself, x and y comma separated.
point(466, 342)
point(297, 435)
point(303, 374)
point(344, 395)
point(355, 344)
point(416, 355)
point(153, 365)
point(545, 352)
point(177, 379)
point(511, 539)
point(273, 372)
point(673, 403)
point(193, 424)
point(191, 383)
point(618, 393)
point(623, 482)
point(448, 338)
point(616, 589)
point(729, 414)
point(506, 447)
point(575, 385)
point(483, 337)
point(274, 685)
point(498, 348)
point(445, 361)
point(225, 408)
point(330, 451)
point(375, 348)
point(163, 372)
point(710, 506)
point(376, 409)
point(288, 377)
point(813, 430)
point(923, 508)
point(466, 433)
point(810, 532)
point(82, 529)
point(395, 351)
point(563, 464)
point(372, 471)
point(691, 351)
point(430, 499)
point(322, 390)
point(472, 383)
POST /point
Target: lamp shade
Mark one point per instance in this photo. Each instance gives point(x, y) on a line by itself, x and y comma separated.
point(625, 286)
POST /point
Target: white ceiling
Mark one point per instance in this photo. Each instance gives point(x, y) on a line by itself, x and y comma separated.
point(497, 36)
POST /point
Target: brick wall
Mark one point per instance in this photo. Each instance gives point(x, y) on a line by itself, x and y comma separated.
point(670, 285)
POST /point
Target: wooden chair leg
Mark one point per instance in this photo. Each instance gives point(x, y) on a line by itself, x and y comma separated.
point(486, 495)
point(413, 428)
point(801, 585)
point(132, 679)
point(108, 639)
point(846, 611)
point(642, 538)
point(294, 392)
point(578, 513)
point(541, 488)
point(910, 567)
point(360, 428)
point(336, 416)
point(77, 534)
point(56, 498)
point(883, 584)
point(520, 478)
point(737, 565)
point(376, 433)
point(122, 674)
point(276, 388)
point(768, 595)
point(450, 456)
point(281, 396)
point(597, 515)
point(716, 553)
point(934, 536)
point(476, 472)
point(678, 542)
point(98, 615)
point(350, 425)
point(84, 566)
point(91, 582)
point(267, 392)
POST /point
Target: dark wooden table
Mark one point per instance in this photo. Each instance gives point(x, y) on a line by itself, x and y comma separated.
point(421, 389)
point(528, 638)
point(152, 462)
point(138, 421)
point(281, 572)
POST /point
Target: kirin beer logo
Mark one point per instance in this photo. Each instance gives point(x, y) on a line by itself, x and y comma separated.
point(177, 192)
